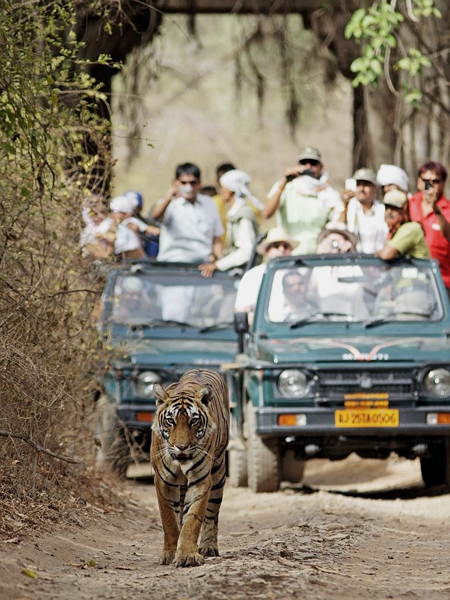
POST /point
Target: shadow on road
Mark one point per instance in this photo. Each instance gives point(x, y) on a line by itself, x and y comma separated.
point(408, 493)
point(400, 493)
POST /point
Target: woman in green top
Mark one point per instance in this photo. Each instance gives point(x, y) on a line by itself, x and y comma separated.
point(405, 237)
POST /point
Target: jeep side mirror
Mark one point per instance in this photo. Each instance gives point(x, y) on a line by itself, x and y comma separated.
point(241, 327)
point(241, 322)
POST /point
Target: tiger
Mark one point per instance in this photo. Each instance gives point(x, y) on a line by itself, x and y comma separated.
point(190, 435)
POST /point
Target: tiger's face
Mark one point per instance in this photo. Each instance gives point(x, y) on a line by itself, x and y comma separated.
point(183, 422)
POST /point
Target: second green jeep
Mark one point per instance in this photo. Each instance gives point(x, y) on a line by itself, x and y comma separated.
point(346, 353)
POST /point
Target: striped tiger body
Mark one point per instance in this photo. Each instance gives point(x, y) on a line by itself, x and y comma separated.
point(189, 439)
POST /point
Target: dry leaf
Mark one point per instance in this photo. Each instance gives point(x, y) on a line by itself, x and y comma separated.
point(29, 573)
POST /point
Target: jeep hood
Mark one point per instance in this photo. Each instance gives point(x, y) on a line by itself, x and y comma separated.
point(416, 350)
point(171, 352)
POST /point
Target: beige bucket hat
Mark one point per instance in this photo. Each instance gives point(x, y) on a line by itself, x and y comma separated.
point(276, 234)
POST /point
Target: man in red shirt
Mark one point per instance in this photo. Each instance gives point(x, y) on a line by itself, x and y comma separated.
point(431, 208)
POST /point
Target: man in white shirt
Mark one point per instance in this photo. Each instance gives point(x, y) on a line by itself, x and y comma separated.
point(191, 229)
point(364, 214)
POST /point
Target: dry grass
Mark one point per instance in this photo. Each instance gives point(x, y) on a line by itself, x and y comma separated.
point(48, 371)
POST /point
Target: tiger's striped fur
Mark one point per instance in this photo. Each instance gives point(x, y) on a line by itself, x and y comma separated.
point(189, 439)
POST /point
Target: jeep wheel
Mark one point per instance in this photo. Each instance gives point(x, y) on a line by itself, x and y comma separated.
point(237, 467)
point(113, 452)
point(263, 458)
point(436, 468)
point(292, 469)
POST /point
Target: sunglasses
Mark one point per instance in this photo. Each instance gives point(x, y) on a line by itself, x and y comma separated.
point(432, 181)
point(189, 182)
point(309, 161)
point(277, 245)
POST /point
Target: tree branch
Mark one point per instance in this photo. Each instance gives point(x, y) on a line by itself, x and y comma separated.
point(27, 439)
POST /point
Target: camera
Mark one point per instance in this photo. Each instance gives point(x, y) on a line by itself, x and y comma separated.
point(305, 172)
point(428, 185)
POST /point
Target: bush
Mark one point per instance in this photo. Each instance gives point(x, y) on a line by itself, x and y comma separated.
point(48, 129)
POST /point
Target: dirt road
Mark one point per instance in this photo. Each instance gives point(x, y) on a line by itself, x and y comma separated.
point(379, 536)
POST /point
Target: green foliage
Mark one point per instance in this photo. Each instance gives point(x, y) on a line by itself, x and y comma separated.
point(46, 98)
point(414, 63)
point(377, 30)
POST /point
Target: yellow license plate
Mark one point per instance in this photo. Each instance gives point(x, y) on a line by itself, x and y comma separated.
point(367, 418)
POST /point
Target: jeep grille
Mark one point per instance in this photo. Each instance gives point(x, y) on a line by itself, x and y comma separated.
point(333, 385)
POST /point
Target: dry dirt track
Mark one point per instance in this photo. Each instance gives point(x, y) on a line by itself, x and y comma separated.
point(379, 536)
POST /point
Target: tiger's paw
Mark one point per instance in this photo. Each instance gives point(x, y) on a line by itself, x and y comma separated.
point(189, 560)
point(209, 550)
point(166, 557)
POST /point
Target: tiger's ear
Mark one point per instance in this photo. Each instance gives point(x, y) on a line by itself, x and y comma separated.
point(204, 395)
point(161, 396)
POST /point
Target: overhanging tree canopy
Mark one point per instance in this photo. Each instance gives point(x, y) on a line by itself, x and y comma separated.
point(386, 128)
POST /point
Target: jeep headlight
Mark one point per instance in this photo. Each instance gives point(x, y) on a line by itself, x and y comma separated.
point(293, 383)
point(437, 383)
point(145, 382)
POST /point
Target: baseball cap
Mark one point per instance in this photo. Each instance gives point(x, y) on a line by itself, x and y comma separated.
point(395, 198)
point(365, 175)
point(136, 197)
point(311, 153)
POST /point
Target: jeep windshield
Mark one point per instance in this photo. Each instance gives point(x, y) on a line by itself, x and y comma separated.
point(370, 292)
point(150, 299)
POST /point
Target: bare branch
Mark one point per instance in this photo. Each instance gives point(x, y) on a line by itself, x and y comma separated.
point(410, 11)
point(26, 438)
point(387, 72)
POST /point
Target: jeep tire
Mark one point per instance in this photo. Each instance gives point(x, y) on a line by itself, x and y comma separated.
point(436, 468)
point(292, 469)
point(237, 467)
point(114, 452)
point(263, 454)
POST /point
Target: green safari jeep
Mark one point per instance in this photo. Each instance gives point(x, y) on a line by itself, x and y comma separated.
point(158, 320)
point(346, 353)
